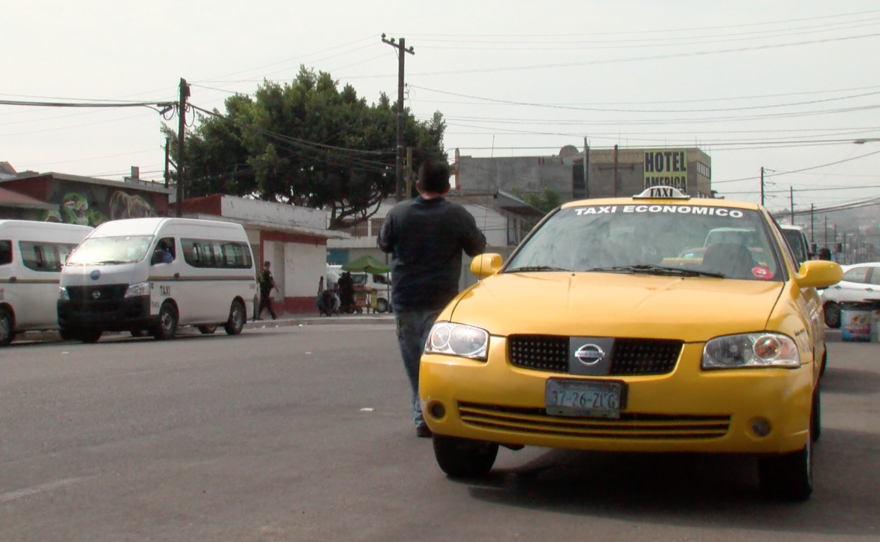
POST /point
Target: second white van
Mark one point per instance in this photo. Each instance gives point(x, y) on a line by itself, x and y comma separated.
point(151, 275)
point(31, 256)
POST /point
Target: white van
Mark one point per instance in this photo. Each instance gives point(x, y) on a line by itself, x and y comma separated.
point(31, 256)
point(381, 284)
point(151, 275)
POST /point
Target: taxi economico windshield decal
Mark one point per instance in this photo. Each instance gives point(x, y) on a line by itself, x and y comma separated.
point(724, 212)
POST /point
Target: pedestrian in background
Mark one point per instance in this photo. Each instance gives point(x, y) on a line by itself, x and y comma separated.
point(267, 283)
point(425, 236)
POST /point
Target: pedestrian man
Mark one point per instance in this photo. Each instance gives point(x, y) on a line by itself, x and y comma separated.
point(267, 283)
point(425, 237)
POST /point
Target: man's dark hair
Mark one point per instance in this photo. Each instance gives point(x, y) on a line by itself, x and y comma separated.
point(434, 176)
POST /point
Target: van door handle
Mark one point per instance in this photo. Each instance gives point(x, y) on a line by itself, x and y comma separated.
point(176, 276)
point(12, 279)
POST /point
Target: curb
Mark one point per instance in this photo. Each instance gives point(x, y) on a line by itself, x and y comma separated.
point(349, 319)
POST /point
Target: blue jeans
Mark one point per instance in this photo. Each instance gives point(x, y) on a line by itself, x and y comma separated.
point(413, 327)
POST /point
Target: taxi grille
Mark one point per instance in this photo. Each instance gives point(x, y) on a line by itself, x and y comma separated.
point(629, 356)
point(630, 426)
point(96, 299)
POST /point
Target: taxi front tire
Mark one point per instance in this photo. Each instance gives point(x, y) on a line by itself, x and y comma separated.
point(788, 476)
point(464, 458)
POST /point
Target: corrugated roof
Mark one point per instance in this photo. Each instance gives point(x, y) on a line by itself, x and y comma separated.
point(8, 198)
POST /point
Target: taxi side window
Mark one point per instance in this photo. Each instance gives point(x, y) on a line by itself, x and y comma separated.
point(5, 252)
point(858, 274)
point(875, 275)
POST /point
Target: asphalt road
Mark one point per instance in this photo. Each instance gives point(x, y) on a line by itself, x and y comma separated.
point(303, 433)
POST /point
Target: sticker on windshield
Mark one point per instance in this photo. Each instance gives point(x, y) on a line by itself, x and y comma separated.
point(762, 272)
point(724, 212)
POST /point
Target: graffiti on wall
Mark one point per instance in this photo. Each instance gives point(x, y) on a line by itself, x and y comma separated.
point(74, 208)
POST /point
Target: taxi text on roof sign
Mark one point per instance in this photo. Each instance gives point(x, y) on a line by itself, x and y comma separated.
point(666, 168)
point(661, 192)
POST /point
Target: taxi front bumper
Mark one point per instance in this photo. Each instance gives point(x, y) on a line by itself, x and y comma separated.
point(687, 410)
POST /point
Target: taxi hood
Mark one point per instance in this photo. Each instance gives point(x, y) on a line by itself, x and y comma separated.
point(616, 305)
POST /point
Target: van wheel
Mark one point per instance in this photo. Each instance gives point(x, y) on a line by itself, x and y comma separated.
point(6, 324)
point(381, 305)
point(464, 458)
point(68, 334)
point(207, 330)
point(91, 336)
point(832, 315)
point(237, 317)
point(788, 476)
point(167, 323)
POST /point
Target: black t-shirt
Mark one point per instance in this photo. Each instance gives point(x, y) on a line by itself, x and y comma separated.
point(267, 282)
point(426, 239)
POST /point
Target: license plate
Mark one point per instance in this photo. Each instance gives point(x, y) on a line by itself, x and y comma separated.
point(584, 398)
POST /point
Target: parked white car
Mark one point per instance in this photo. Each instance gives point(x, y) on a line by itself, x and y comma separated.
point(860, 283)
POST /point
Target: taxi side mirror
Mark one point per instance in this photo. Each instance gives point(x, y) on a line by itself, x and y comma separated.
point(486, 265)
point(818, 274)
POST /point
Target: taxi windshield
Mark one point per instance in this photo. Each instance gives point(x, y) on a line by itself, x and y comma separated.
point(676, 240)
point(111, 250)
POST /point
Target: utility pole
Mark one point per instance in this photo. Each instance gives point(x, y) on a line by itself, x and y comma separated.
point(586, 169)
point(408, 170)
point(167, 160)
point(762, 185)
point(812, 224)
point(791, 202)
point(615, 171)
point(401, 56)
point(181, 127)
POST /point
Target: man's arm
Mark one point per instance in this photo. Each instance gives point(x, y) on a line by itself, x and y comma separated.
point(473, 240)
point(385, 239)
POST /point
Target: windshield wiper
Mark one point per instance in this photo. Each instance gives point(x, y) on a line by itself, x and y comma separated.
point(656, 270)
point(532, 268)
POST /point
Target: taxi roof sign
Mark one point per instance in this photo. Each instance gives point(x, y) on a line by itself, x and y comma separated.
point(661, 192)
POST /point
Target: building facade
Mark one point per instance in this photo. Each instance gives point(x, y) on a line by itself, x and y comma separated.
point(608, 173)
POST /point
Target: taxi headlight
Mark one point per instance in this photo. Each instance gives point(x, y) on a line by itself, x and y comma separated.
point(458, 340)
point(135, 290)
point(751, 350)
point(62, 294)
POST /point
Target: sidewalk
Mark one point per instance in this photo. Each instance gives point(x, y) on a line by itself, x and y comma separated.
point(286, 320)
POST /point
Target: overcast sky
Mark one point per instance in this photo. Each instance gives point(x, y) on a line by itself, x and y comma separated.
point(787, 85)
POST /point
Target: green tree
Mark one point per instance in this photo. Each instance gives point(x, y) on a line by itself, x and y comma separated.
point(305, 143)
point(545, 200)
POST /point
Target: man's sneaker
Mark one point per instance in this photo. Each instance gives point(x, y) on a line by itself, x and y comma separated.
point(422, 431)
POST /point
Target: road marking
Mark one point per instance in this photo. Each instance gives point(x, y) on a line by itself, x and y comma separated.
point(36, 490)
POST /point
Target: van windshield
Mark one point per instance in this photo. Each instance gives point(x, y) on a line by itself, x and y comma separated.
point(111, 250)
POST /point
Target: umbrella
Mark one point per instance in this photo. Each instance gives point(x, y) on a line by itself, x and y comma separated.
point(366, 264)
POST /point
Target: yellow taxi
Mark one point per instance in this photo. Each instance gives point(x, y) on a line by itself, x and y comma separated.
point(656, 323)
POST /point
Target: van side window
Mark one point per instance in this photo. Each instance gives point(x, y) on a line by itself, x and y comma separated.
point(5, 252)
point(40, 256)
point(221, 254)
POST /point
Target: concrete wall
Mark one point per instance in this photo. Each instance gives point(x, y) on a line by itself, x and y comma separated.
point(529, 174)
point(275, 213)
point(533, 174)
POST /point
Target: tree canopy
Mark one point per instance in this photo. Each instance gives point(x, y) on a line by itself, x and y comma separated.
point(306, 143)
